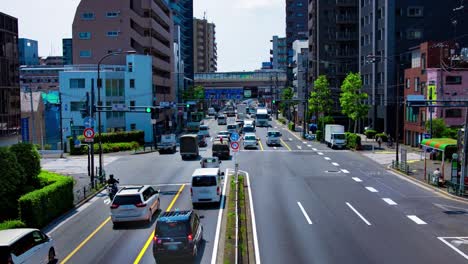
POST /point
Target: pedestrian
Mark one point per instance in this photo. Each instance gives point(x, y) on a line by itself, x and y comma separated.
point(379, 141)
point(438, 177)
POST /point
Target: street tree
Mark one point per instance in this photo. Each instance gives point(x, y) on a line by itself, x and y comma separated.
point(320, 100)
point(438, 127)
point(286, 95)
point(352, 98)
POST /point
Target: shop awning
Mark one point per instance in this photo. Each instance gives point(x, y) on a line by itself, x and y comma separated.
point(439, 143)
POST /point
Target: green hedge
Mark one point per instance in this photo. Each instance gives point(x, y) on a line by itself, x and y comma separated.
point(106, 147)
point(291, 126)
point(319, 135)
point(370, 133)
point(29, 159)
point(10, 224)
point(38, 208)
point(353, 141)
point(282, 120)
point(383, 136)
point(118, 137)
point(12, 182)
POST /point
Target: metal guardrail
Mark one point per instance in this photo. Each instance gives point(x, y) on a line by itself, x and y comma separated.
point(84, 192)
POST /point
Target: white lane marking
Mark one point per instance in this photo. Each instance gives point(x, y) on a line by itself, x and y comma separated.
point(290, 139)
point(314, 149)
point(218, 225)
point(211, 139)
point(304, 213)
point(299, 147)
point(389, 201)
point(254, 225)
point(344, 171)
point(358, 214)
point(320, 153)
point(371, 189)
point(275, 148)
point(335, 164)
point(305, 143)
point(416, 219)
point(309, 146)
point(107, 201)
point(356, 179)
point(452, 246)
point(327, 158)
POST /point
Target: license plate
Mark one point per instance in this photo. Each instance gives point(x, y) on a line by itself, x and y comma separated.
point(172, 247)
point(204, 191)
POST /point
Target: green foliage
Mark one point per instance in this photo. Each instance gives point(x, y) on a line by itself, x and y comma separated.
point(12, 180)
point(39, 207)
point(370, 133)
point(320, 99)
point(383, 136)
point(319, 135)
point(117, 137)
point(10, 224)
point(291, 126)
point(451, 132)
point(324, 120)
point(106, 147)
point(353, 141)
point(29, 159)
point(194, 93)
point(438, 127)
point(282, 120)
point(351, 98)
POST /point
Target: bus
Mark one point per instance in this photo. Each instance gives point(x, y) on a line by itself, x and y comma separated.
point(196, 118)
point(262, 118)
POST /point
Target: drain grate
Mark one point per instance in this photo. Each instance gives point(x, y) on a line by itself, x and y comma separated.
point(332, 171)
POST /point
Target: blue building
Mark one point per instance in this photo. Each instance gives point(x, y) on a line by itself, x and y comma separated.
point(129, 84)
point(67, 51)
point(28, 50)
point(182, 14)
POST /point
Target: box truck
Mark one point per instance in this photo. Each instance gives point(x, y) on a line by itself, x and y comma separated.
point(335, 136)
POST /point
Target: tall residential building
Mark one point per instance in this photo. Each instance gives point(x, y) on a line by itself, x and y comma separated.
point(28, 51)
point(182, 11)
point(279, 53)
point(333, 41)
point(204, 46)
point(388, 29)
point(67, 51)
point(300, 65)
point(10, 111)
point(103, 27)
point(296, 23)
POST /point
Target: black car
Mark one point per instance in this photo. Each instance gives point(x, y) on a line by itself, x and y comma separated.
point(177, 234)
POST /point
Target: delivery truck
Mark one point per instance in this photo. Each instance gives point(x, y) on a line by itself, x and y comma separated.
point(335, 136)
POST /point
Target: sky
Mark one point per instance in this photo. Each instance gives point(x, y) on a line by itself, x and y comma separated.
point(244, 28)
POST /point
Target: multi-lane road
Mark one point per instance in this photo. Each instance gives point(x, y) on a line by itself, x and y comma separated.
point(312, 205)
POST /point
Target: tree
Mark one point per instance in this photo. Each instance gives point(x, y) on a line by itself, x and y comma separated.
point(286, 95)
point(320, 100)
point(194, 93)
point(352, 99)
point(438, 127)
point(12, 180)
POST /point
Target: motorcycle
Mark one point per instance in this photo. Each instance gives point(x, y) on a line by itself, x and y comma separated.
point(112, 190)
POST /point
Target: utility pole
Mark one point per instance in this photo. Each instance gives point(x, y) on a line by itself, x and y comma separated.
point(91, 113)
point(397, 119)
point(61, 126)
point(464, 154)
point(33, 130)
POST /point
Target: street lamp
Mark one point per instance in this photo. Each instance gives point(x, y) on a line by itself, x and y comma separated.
point(99, 86)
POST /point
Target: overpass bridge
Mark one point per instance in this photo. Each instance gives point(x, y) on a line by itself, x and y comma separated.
point(264, 85)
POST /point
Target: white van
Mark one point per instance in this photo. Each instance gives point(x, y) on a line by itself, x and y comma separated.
point(206, 186)
point(222, 120)
point(26, 245)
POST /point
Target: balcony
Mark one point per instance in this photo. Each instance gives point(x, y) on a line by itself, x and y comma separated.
point(346, 3)
point(346, 19)
point(346, 36)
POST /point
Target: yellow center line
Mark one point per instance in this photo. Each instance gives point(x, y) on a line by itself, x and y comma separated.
point(286, 145)
point(150, 238)
point(85, 241)
point(260, 144)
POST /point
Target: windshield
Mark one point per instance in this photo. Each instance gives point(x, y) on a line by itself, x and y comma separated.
point(249, 129)
point(203, 181)
point(231, 126)
point(250, 138)
point(172, 229)
point(203, 128)
point(223, 133)
point(339, 136)
point(262, 116)
point(274, 134)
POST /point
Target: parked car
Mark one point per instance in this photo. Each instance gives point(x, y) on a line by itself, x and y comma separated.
point(136, 203)
point(211, 162)
point(177, 234)
point(206, 186)
point(26, 245)
point(250, 140)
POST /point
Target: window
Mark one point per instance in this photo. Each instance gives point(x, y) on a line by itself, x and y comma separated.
point(132, 127)
point(39, 238)
point(453, 80)
point(399, 12)
point(408, 83)
point(113, 14)
point(453, 113)
point(362, 21)
point(299, 4)
point(113, 33)
point(85, 53)
point(423, 61)
point(23, 245)
point(415, 11)
point(132, 105)
point(76, 106)
point(84, 35)
point(77, 83)
point(380, 34)
point(299, 14)
point(132, 83)
point(416, 84)
point(414, 34)
point(87, 16)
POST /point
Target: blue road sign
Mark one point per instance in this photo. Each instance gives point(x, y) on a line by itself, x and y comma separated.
point(77, 143)
point(89, 122)
point(234, 137)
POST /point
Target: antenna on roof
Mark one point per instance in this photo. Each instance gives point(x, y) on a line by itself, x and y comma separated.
point(204, 15)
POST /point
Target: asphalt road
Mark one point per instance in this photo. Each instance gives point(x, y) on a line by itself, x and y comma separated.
point(88, 236)
point(316, 205)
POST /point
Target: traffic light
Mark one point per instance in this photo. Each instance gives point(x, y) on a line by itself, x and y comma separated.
point(274, 101)
point(155, 113)
point(85, 110)
point(148, 110)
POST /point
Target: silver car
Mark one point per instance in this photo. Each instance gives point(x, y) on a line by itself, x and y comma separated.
point(135, 203)
point(212, 162)
point(250, 140)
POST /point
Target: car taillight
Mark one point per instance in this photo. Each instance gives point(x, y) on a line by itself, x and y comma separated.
point(114, 206)
point(157, 240)
point(140, 205)
point(190, 238)
point(217, 190)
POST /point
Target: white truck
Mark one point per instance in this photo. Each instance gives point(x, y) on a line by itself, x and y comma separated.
point(168, 144)
point(241, 111)
point(262, 118)
point(335, 136)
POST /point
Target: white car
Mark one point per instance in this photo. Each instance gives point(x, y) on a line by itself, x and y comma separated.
point(204, 130)
point(135, 203)
point(273, 138)
point(26, 245)
point(206, 186)
point(250, 140)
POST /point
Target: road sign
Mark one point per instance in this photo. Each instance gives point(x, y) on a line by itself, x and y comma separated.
point(77, 143)
point(234, 137)
point(89, 122)
point(235, 146)
point(119, 107)
point(88, 133)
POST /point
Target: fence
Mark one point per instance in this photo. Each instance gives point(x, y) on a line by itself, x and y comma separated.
point(401, 166)
point(83, 192)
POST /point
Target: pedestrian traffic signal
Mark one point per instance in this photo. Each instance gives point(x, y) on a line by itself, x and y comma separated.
point(188, 105)
point(274, 101)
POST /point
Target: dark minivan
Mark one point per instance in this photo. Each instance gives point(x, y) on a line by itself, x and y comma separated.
point(221, 149)
point(177, 234)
